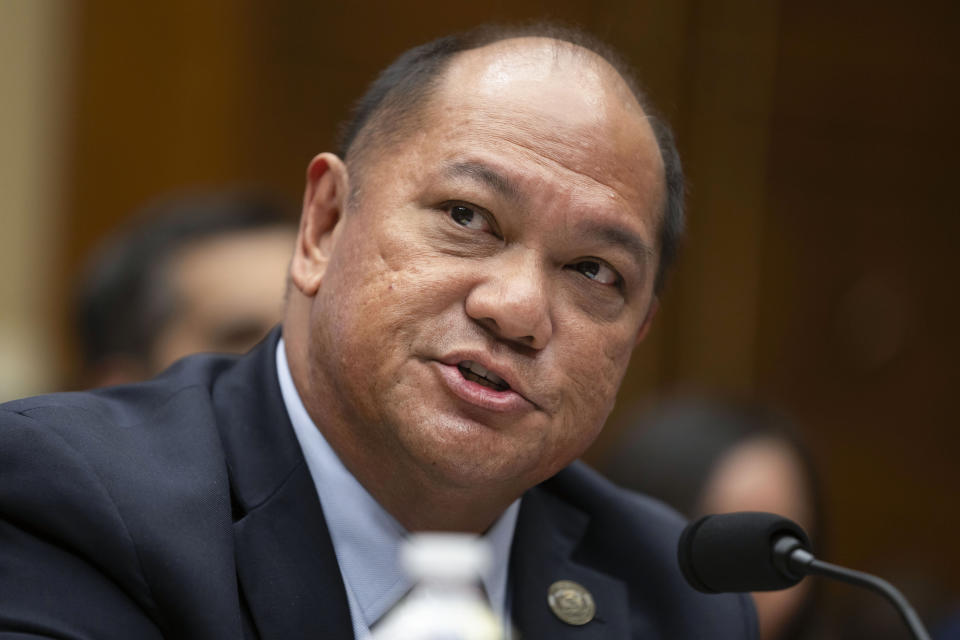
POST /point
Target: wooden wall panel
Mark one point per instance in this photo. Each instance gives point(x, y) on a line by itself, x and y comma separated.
point(858, 315)
point(159, 107)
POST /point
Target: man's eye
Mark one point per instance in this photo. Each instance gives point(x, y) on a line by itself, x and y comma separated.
point(469, 218)
point(597, 271)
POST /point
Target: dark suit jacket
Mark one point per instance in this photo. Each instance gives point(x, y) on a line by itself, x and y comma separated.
point(183, 508)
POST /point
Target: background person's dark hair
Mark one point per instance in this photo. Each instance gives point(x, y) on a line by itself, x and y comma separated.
point(674, 451)
point(671, 451)
point(393, 101)
point(123, 299)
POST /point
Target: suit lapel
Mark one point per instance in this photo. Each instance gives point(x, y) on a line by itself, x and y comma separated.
point(548, 533)
point(285, 560)
point(287, 567)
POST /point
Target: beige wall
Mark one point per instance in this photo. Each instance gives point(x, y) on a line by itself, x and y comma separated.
point(35, 46)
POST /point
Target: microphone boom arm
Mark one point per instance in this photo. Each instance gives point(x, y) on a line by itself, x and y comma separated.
point(799, 561)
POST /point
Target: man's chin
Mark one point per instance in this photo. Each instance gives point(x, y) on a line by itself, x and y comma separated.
point(484, 470)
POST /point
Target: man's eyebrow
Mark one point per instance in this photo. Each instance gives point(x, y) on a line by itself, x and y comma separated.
point(617, 235)
point(486, 175)
point(605, 233)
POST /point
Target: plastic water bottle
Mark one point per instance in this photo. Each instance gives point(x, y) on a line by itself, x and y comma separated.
point(446, 602)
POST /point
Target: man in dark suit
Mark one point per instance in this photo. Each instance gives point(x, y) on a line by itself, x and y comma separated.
point(470, 277)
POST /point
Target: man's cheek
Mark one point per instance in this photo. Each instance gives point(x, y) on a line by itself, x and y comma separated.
point(602, 384)
point(589, 393)
point(607, 359)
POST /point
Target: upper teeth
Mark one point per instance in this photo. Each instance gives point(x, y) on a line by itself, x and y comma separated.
point(482, 371)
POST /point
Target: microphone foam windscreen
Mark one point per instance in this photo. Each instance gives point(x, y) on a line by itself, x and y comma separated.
point(734, 552)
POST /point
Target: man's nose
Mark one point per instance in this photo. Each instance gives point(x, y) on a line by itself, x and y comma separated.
point(512, 300)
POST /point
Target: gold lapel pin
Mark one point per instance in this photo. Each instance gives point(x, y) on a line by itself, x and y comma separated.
point(571, 602)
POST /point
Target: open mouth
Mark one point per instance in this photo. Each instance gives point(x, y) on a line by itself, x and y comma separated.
point(477, 373)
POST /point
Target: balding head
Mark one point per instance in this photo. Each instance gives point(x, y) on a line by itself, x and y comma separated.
point(576, 104)
point(394, 106)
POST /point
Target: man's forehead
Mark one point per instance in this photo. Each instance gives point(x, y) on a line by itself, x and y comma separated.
point(563, 103)
point(563, 89)
point(534, 61)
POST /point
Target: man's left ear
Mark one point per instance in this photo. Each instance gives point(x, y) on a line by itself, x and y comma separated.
point(648, 320)
point(324, 200)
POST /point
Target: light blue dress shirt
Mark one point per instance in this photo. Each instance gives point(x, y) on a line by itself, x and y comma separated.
point(367, 539)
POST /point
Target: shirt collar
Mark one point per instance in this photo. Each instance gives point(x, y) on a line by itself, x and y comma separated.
point(366, 538)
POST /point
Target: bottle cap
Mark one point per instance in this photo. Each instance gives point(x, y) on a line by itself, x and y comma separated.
point(445, 556)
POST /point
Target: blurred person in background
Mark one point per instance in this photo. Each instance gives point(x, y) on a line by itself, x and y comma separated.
point(200, 273)
point(704, 456)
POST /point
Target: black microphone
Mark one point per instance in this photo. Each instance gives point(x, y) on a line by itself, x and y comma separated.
point(754, 551)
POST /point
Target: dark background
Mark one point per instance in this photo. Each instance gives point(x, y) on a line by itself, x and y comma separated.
point(820, 140)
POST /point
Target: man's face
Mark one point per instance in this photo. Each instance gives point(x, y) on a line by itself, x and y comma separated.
point(228, 293)
point(485, 289)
